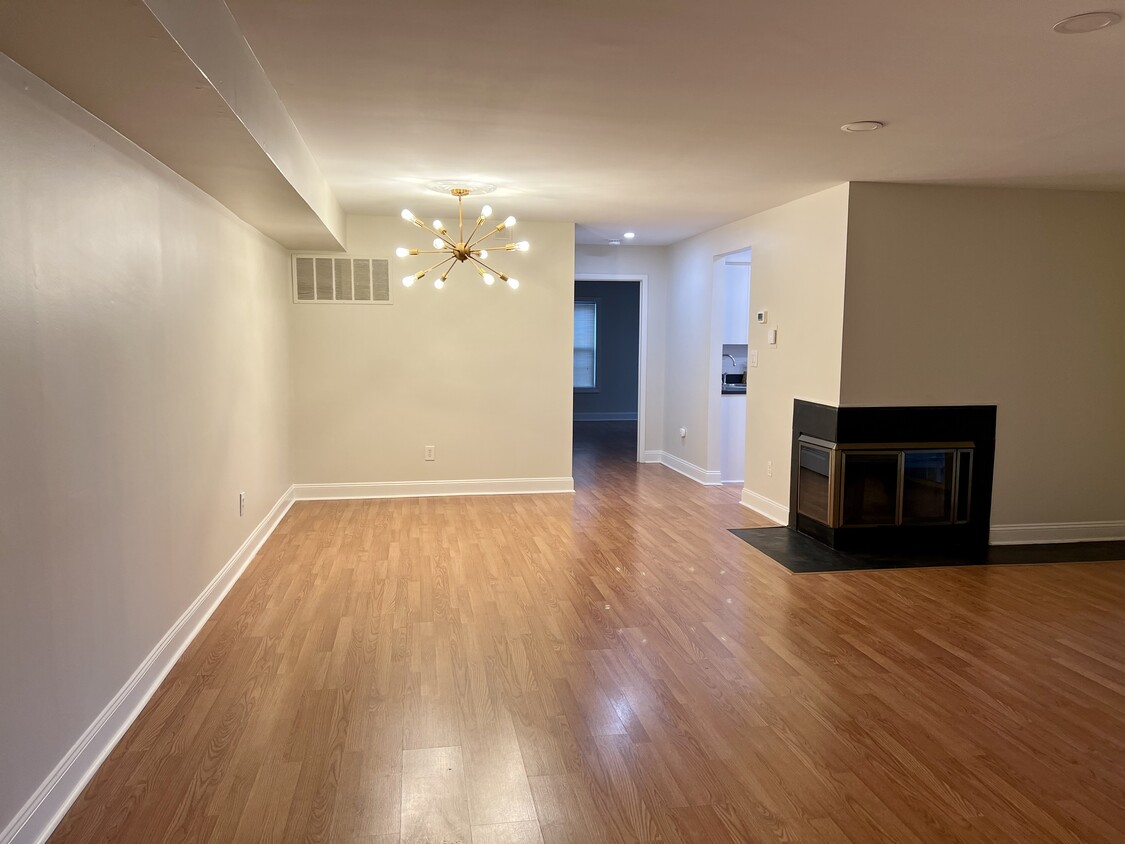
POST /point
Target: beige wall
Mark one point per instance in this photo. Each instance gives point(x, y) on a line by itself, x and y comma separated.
point(999, 296)
point(143, 385)
point(651, 261)
point(797, 274)
point(484, 374)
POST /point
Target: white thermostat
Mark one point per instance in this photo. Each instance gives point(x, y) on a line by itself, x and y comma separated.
point(760, 317)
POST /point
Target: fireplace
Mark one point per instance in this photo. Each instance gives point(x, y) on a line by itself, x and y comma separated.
point(894, 477)
point(870, 485)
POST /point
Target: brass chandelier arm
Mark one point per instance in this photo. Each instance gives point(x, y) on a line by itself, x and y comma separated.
point(449, 261)
point(472, 234)
point(490, 233)
point(481, 263)
point(446, 266)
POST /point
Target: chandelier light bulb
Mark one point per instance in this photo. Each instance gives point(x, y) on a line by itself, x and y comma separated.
point(439, 283)
point(402, 252)
point(509, 222)
point(438, 243)
point(486, 212)
point(406, 215)
point(513, 283)
point(483, 254)
point(407, 280)
point(523, 246)
point(438, 225)
point(489, 279)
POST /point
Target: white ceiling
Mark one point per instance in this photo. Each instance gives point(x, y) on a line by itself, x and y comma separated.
point(668, 118)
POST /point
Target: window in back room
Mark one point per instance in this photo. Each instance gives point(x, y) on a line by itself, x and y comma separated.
point(585, 344)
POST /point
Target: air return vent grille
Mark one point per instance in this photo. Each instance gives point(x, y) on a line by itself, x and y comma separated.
point(319, 279)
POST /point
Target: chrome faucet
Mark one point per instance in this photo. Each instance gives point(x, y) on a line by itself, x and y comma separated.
point(732, 360)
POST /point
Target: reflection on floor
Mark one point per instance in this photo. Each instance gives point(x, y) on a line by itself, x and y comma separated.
point(603, 445)
point(615, 666)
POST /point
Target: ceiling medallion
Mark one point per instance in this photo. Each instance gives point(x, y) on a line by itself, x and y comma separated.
point(459, 249)
point(446, 186)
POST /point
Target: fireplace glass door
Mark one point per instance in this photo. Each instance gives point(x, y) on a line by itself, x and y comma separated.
point(815, 483)
point(870, 494)
point(927, 487)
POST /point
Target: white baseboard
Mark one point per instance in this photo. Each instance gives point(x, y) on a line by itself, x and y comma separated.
point(429, 489)
point(606, 416)
point(767, 507)
point(652, 456)
point(1045, 534)
point(690, 470)
point(46, 807)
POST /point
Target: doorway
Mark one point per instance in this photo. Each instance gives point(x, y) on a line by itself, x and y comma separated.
point(609, 367)
point(731, 362)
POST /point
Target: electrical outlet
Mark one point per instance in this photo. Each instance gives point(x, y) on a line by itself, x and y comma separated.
point(242, 504)
point(769, 468)
point(431, 453)
point(753, 357)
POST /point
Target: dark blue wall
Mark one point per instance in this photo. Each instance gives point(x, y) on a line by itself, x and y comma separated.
point(619, 308)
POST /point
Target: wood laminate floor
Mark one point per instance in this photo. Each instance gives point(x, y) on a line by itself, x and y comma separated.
point(615, 666)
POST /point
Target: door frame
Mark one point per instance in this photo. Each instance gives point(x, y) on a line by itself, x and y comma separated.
point(642, 345)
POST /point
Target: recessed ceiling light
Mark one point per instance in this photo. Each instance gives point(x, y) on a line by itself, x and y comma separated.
point(615, 243)
point(1089, 22)
point(630, 235)
point(862, 126)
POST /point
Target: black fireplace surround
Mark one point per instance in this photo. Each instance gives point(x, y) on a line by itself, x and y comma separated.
point(893, 478)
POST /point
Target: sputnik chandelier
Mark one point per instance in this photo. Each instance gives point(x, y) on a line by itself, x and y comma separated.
point(461, 249)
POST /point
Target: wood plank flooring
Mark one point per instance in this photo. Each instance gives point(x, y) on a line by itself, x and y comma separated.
point(614, 666)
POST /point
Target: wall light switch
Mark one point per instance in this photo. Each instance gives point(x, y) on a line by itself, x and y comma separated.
point(771, 336)
point(242, 504)
point(753, 357)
